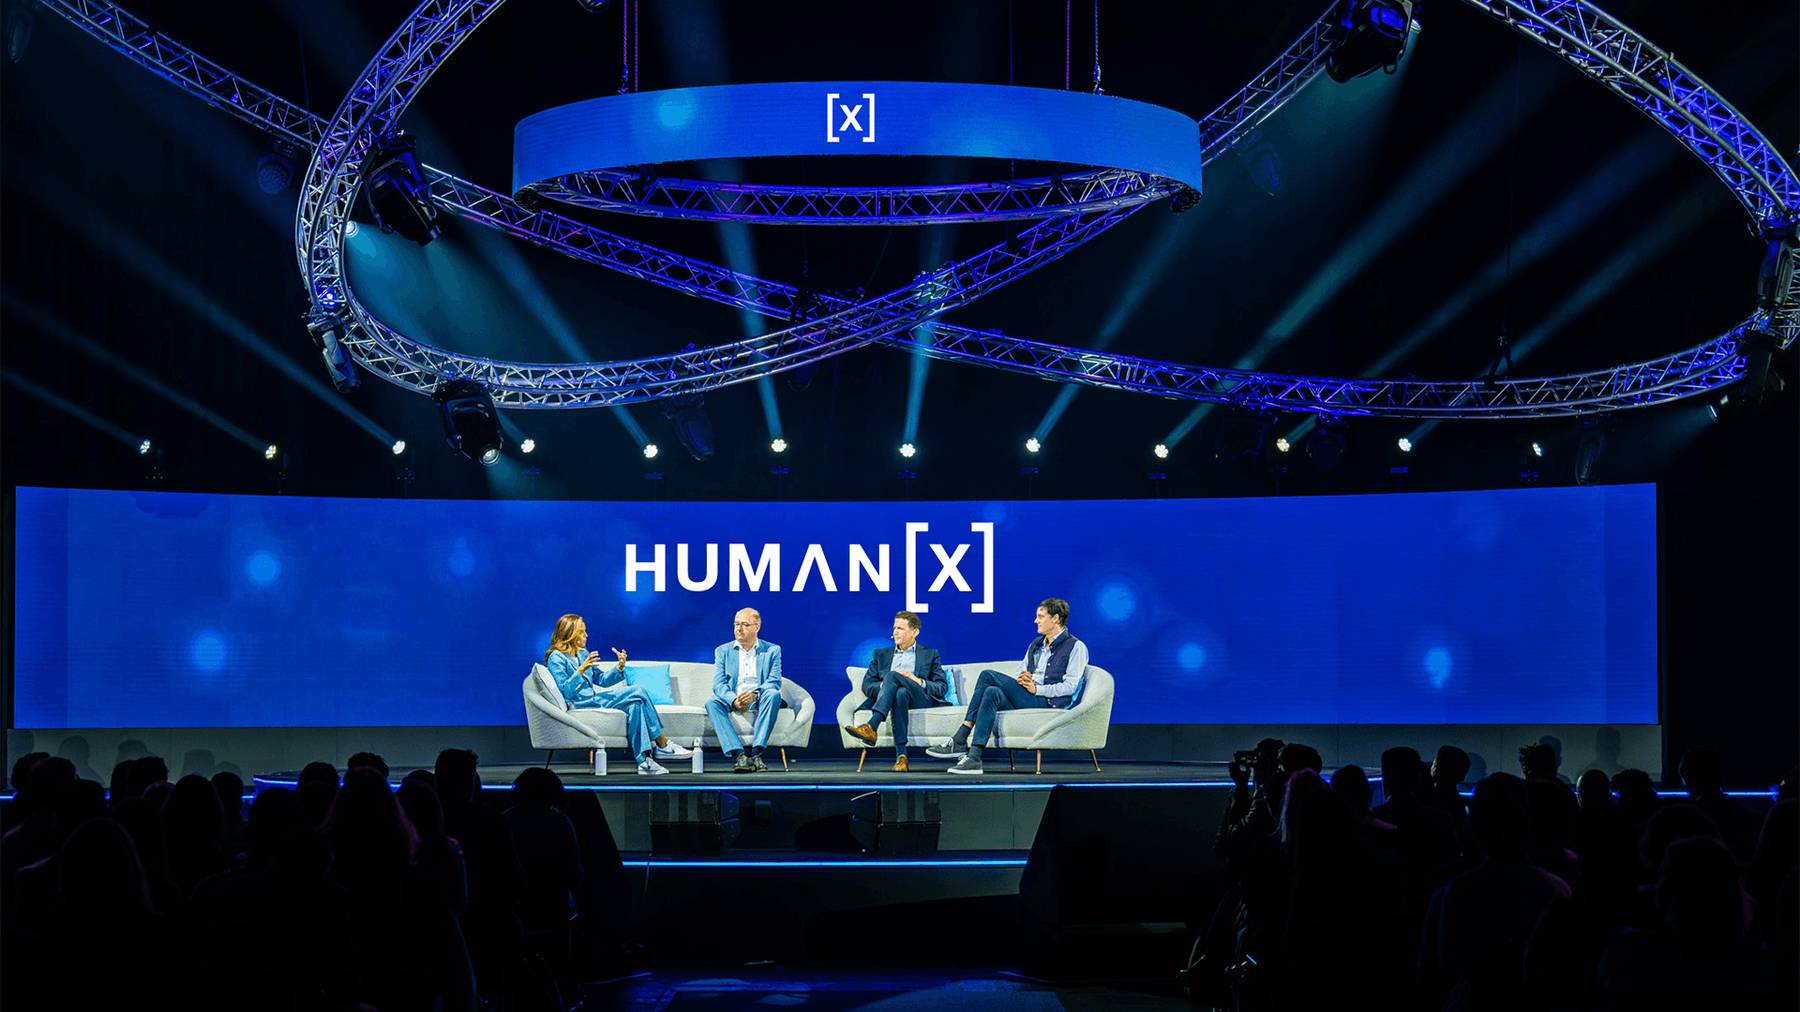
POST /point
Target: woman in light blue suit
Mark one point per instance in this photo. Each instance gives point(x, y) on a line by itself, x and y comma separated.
point(569, 662)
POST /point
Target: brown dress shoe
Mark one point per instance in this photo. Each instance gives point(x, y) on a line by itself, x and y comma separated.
point(900, 764)
point(862, 732)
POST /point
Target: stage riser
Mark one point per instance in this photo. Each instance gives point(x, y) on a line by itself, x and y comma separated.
point(971, 820)
point(1494, 747)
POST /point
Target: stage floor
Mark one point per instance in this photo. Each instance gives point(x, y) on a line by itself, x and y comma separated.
point(842, 775)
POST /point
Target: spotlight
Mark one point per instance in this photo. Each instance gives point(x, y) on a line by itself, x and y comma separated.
point(650, 451)
point(144, 448)
point(1282, 444)
point(1404, 444)
point(527, 445)
point(1370, 35)
point(907, 450)
point(349, 228)
point(778, 445)
point(272, 452)
point(1032, 445)
point(399, 447)
point(1537, 449)
point(1162, 451)
point(273, 172)
point(1184, 200)
point(396, 190)
point(1759, 347)
point(471, 423)
point(1587, 455)
point(693, 427)
point(328, 330)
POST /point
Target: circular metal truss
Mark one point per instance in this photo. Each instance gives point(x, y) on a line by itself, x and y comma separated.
point(823, 325)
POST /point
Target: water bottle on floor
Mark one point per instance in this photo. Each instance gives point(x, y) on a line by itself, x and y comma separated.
point(600, 762)
point(699, 757)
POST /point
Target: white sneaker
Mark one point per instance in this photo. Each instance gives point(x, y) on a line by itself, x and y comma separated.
point(673, 750)
point(650, 768)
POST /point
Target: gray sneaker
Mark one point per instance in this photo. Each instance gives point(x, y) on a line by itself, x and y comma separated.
point(743, 763)
point(948, 750)
point(757, 765)
point(967, 766)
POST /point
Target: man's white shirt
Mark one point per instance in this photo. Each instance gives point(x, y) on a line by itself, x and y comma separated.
point(746, 669)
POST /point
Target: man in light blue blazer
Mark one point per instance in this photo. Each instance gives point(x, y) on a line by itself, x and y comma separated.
point(746, 679)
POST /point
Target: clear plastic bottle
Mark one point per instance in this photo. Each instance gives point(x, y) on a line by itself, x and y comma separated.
point(600, 762)
point(699, 760)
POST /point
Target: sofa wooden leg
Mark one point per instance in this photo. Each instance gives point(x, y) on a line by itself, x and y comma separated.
point(549, 753)
point(1010, 764)
point(861, 758)
point(784, 762)
point(590, 758)
point(1040, 762)
point(1094, 756)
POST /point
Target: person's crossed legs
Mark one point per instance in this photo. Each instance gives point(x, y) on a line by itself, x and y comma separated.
point(994, 691)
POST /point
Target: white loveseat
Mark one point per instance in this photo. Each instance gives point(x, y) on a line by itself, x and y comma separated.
point(554, 726)
point(1081, 728)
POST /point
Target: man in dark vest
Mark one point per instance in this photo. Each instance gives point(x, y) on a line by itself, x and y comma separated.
point(1054, 664)
point(901, 678)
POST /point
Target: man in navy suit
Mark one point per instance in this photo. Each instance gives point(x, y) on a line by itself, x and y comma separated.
point(900, 678)
point(747, 680)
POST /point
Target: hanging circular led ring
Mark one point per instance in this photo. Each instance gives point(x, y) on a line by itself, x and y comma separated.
point(602, 153)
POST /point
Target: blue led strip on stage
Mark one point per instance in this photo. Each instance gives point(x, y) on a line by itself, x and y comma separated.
point(856, 118)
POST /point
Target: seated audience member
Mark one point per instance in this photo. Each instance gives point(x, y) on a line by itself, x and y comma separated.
point(369, 759)
point(550, 857)
point(1637, 798)
point(747, 680)
point(569, 662)
point(1698, 957)
point(901, 678)
point(1477, 924)
point(1449, 768)
point(1703, 773)
point(1054, 665)
point(230, 789)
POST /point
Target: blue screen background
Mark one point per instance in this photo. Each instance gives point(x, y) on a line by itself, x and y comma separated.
point(175, 610)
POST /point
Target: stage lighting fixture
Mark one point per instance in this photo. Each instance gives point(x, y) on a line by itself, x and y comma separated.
point(693, 427)
point(396, 190)
point(328, 331)
point(1032, 445)
point(19, 23)
point(778, 445)
point(1162, 451)
point(650, 451)
point(1775, 275)
point(349, 228)
point(271, 452)
point(1404, 444)
point(1537, 449)
point(1327, 445)
point(527, 445)
point(1282, 445)
point(471, 423)
point(144, 448)
point(1759, 347)
point(274, 171)
point(1184, 200)
point(907, 450)
point(1588, 453)
point(1369, 35)
point(399, 447)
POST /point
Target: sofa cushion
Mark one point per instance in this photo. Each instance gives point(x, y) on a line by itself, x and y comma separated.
point(547, 685)
point(952, 695)
point(653, 679)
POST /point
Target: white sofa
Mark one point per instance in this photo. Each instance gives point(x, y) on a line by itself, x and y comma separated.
point(554, 726)
point(1082, 728)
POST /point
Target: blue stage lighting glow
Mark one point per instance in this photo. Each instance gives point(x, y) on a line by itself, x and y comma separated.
point(207, 651)
point(1161, 450)
point(144, 447)
point(460, 561)
point(1404, 444)
point(848, 864)
point(527, 445)
point(650, 451)
point(263, 568)
point(1117, 602)
point(1439, 665)
point(1191, 657)
point(399, 447)
point(908, 450)
point(1032, 445)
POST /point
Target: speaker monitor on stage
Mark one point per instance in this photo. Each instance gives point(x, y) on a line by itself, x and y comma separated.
point(693, 822)
point(896, 822)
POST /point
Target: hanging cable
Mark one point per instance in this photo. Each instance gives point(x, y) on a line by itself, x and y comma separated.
point(1067, 6)
point(1097, 89)
point(637, 22)
point(624, 47)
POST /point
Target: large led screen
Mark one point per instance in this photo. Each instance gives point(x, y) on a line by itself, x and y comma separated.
point(138, 609)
